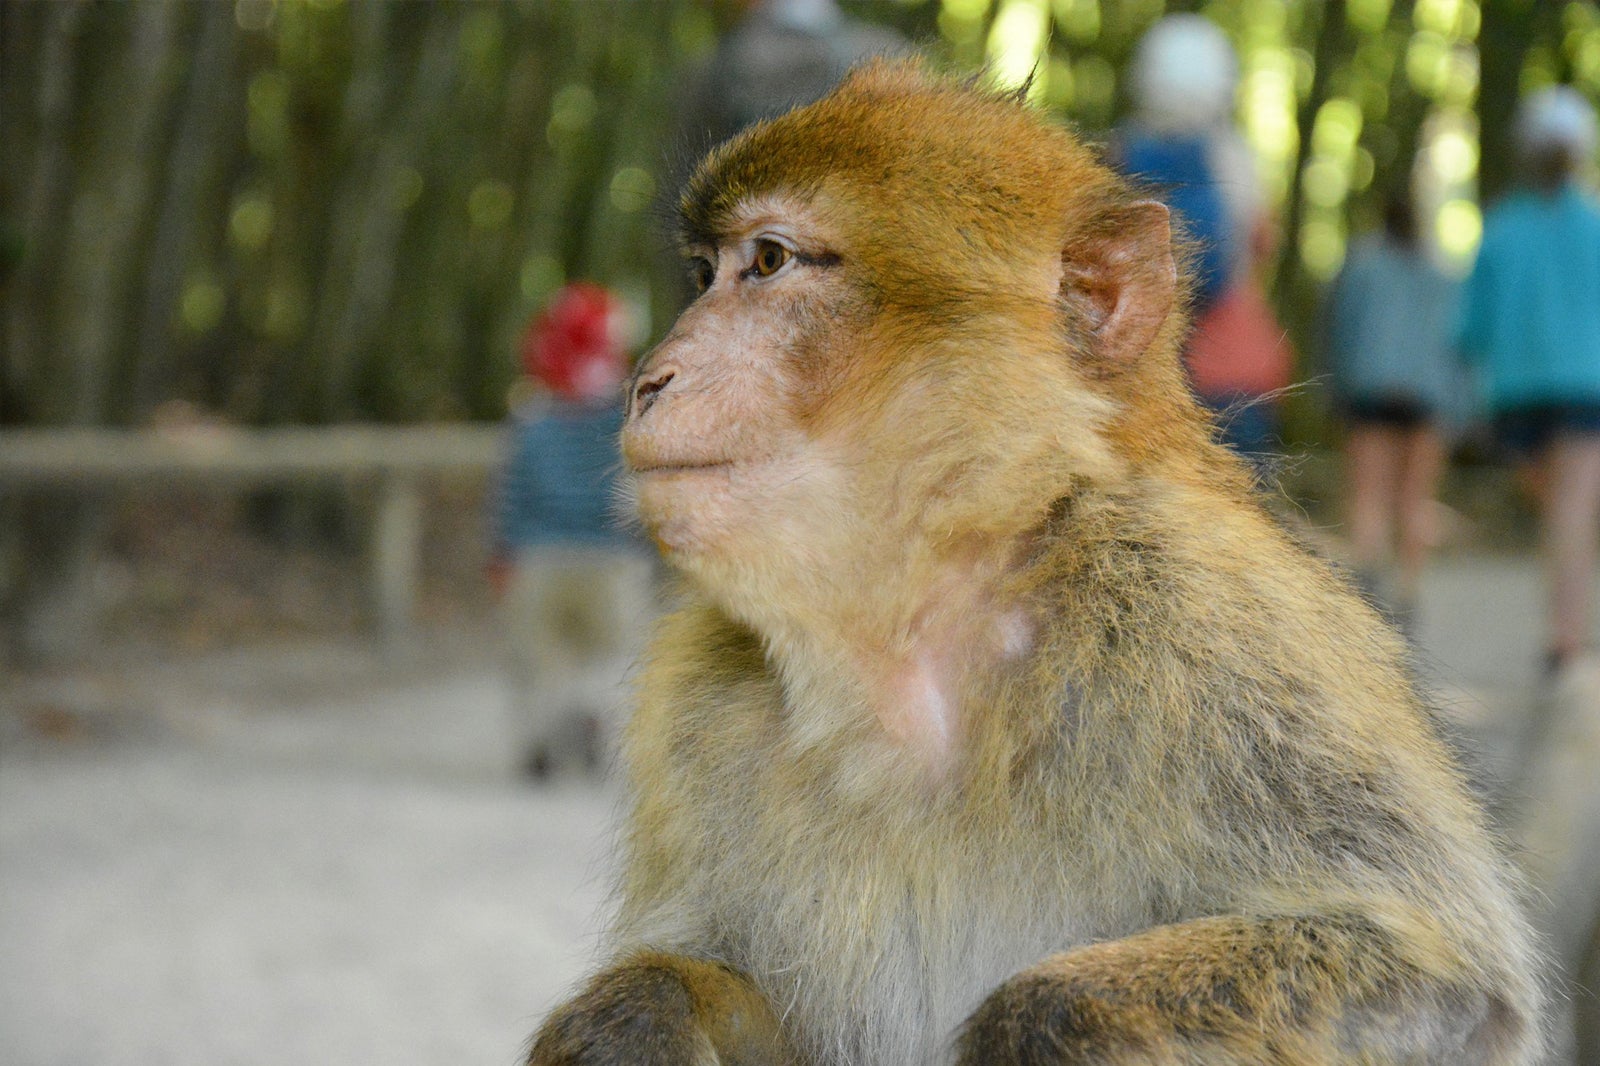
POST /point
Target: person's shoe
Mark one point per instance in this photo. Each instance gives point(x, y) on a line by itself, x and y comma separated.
point(1554, 665)
point(537, 765)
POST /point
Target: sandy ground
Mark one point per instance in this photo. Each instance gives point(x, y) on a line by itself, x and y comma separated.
point(318, 855)
point(281, 859)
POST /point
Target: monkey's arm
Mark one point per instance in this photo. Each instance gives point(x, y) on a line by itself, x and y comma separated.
point(656, 1009)
point(1235, 989)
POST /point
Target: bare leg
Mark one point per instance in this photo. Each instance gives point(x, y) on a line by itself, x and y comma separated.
point(1422, 459)
point(1372, 457)
point(1571, 527)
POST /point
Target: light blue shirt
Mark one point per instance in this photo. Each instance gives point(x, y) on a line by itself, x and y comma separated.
point(558, 484)
point(1391, 321)
point(1531, 312)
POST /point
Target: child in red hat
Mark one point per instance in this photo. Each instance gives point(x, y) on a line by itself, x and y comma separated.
point(574, 584)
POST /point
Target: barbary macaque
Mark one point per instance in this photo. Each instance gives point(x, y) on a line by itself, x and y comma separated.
point(1001, 723)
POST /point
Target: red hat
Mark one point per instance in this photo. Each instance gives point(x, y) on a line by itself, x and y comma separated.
point(575, 345)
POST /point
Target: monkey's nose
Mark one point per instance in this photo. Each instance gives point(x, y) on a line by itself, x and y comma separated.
point(648, 388)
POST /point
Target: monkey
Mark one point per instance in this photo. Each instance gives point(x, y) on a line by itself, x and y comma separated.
point(999, 720)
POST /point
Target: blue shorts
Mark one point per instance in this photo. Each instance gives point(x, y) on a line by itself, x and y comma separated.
point(1527, 430)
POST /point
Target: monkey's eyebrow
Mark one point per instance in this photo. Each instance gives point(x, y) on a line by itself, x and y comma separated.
point(817, 259)
point(695, 234)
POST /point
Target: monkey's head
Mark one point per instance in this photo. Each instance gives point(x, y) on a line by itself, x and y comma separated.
point(924, 313)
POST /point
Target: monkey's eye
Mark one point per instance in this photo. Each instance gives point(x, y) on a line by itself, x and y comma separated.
point(770, 257)
point(702, 272)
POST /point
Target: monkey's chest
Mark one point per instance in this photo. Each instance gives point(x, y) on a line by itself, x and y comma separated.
point(876, 941)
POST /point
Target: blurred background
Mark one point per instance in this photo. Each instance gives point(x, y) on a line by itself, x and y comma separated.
point(267, 269)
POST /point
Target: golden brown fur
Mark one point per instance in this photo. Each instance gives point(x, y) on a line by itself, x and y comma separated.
point(1001, 723)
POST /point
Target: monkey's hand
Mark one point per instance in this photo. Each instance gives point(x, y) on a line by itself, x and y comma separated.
point(655, 1009)
point(1237, 990)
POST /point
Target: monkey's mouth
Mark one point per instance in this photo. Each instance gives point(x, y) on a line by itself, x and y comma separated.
point(682, 468)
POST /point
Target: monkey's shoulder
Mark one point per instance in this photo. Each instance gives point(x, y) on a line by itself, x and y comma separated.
point(1211, 615)
point(1175, 564)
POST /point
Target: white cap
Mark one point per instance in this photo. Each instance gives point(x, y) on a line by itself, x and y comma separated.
point(1557, 117)
point(1184, 73)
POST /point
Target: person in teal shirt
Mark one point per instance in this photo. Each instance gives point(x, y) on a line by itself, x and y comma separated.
point(1530, 325)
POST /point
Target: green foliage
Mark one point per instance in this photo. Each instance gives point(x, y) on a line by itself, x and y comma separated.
point(316, 210)
point(386, 192)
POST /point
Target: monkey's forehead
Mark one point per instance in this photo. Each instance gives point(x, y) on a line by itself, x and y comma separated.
point(895, 138)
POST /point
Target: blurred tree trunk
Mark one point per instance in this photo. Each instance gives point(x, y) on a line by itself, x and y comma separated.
point(399, 92)
point(1510, 29)
point(427, 337)
point(1296, 294)
point(524, 160)
point(123, 139)
point(313, 54)
point(38, 96)
point(87, 233)
point(192, 166)
point(514, 126)
point(36, 100)
point(1408, 109)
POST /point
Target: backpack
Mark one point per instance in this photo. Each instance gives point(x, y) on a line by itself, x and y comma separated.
point(1179, 169)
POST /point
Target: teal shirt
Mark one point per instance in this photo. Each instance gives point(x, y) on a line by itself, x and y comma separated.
point(1530, 318)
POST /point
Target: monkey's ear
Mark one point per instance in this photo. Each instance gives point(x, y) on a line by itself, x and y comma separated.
point(1122, 281)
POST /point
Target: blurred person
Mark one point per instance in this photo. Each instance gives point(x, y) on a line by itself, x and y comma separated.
point(1530, 324)
point(777, 55)
point(1395, 380)
point(574, 587)
point(1181, 138)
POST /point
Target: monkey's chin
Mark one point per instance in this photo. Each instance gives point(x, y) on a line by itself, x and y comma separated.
point(734, 523)
point(716, 520)
point(685, 507)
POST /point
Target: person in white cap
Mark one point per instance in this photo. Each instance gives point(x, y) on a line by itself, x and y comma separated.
point(1181, 139)
point(1531, 326)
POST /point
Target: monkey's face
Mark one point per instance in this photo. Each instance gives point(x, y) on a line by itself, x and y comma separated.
point(920, 310)
point(725, 465)
point(799, 424)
